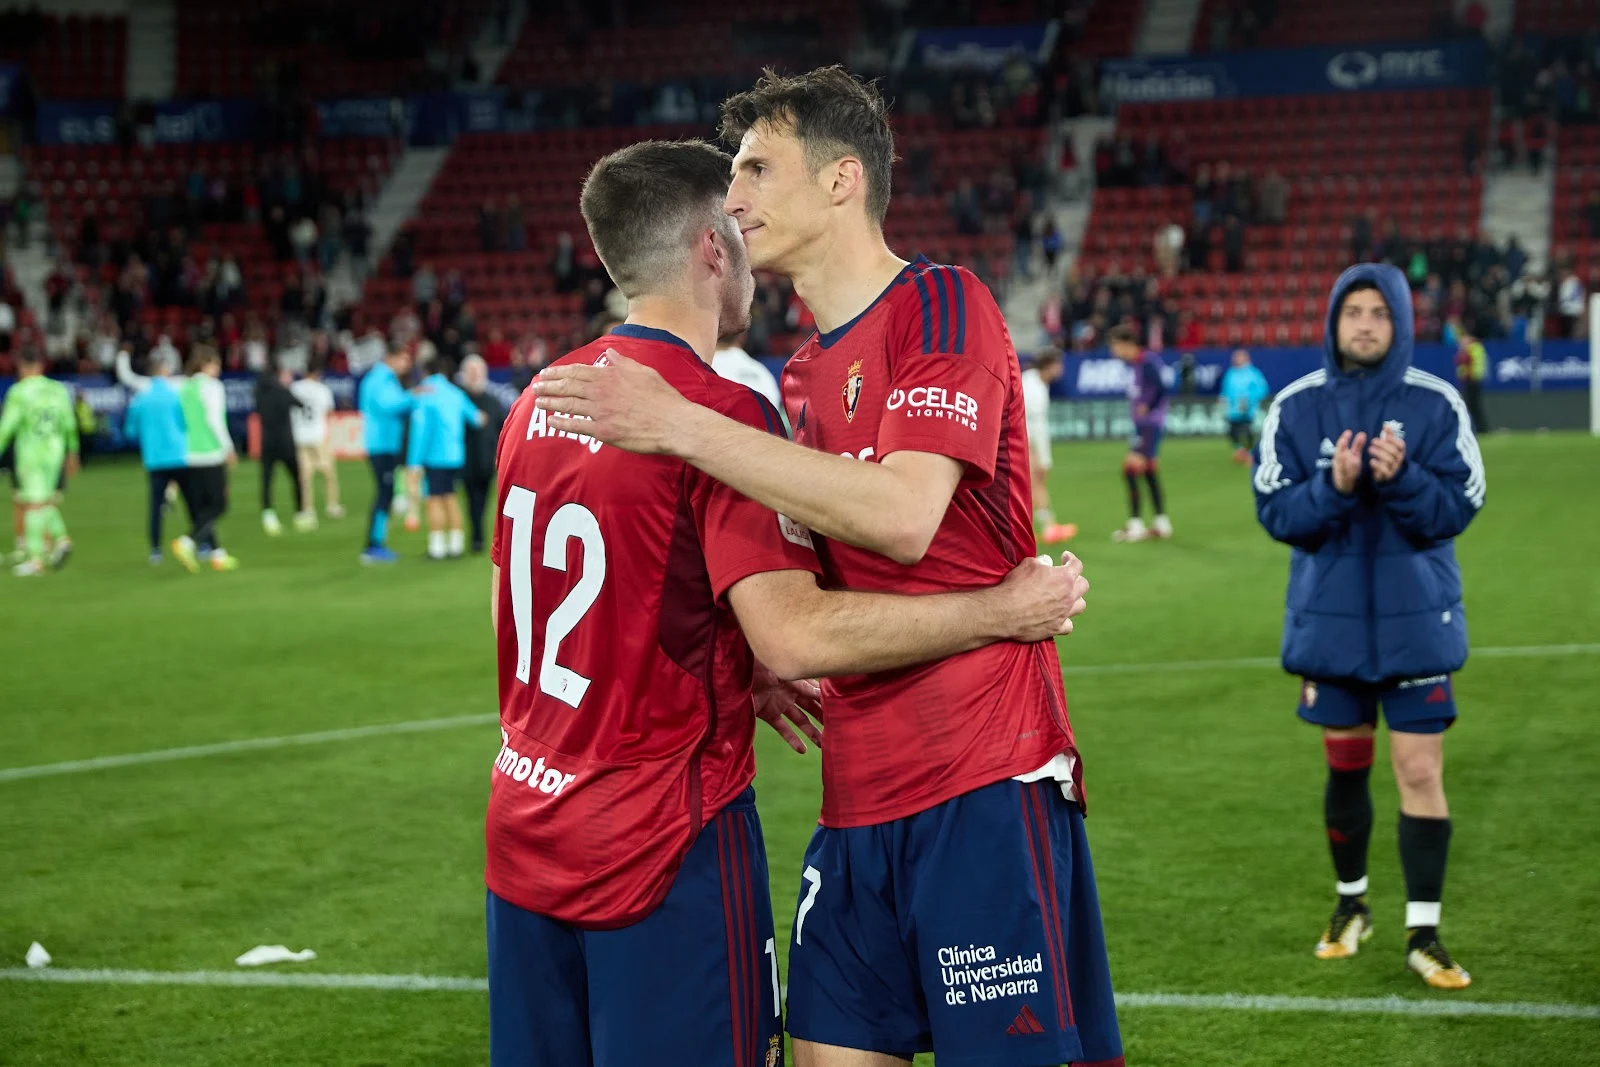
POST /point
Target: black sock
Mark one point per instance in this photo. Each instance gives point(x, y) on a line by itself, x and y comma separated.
point(1347, 812)
point(1424, 849)
point(1133, 494)
point(1155, 492)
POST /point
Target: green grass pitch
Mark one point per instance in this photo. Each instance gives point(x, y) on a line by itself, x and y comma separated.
point(1205, 793)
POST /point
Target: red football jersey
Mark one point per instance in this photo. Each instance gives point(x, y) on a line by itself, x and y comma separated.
point(625, 706)
point(929, 367)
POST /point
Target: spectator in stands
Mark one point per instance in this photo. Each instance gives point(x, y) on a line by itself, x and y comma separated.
point(1591, 214)
point(1571, 303)
point(1362, 234)
point(1536, 138)
point(966, 209)
point(1023, 233)
point(516, 229)
point(328, 243)
point(292, 304)
point(1233, 245)
point(303, 239)
point(1274, 195)
point(1508, 141)
point(1167, 249)
point(490, 227)
point(1051, 244)
point(1515, 257)
point(424, 287)
point(497, 352)
point(1471, 148)
point(453, 292)
point(8, 326)
point(357, 238)
point(466, 324)
point(403, 253)
point(564, 265)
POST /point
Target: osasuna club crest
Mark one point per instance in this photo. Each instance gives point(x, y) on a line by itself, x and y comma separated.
point(852, 390)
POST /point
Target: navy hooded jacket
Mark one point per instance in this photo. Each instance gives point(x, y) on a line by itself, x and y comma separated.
point(1374, 588)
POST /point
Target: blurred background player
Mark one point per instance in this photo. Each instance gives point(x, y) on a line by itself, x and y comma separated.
point(1243, 389)
point(8, 463)
point(436, 453)
point(275, 407)
point(735, 364)
point(210, 457)
point(1036, 381)
point(482, 440)
point(154, 419)
point(1374, 613)
point(629, 914)
point(385, 409)
point(1472, 367)
point(1147, 399)
point(309, 421)
point(38, 416)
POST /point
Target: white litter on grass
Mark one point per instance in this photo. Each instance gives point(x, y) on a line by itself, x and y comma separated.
point(274, 954)
point(37, 956)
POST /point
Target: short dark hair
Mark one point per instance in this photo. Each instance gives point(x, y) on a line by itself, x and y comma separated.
point(639, 203)
point(1046, 358)
point(832, 113)
point(1122, 334)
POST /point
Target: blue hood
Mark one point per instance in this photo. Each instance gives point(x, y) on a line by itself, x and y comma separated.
point(1397, 294)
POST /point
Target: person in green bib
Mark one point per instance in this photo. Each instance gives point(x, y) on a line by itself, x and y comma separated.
point(38, 415)
point(210, 455)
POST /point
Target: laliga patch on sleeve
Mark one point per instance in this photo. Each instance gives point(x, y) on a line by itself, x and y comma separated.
point(794, 533)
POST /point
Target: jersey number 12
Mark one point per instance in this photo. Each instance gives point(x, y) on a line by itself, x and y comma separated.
point(570, 521)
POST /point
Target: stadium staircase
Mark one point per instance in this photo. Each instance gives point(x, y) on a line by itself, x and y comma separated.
point(1166, 27)
point(152, 68)
point(414, 172)
point(1518, 203)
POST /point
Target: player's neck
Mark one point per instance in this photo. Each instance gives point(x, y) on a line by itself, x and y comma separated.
point(683, 321)
point(846, 273)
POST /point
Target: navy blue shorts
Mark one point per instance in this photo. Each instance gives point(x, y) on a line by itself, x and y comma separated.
point(1413, 706)
point(693, 984)
point(971, 930)
point(441, 481)
point(1146, 441)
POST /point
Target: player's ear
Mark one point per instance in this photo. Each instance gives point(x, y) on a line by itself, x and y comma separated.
point(849, 176)
point(712, 251)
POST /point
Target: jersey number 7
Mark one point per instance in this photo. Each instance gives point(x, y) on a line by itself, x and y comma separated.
point(569, 521)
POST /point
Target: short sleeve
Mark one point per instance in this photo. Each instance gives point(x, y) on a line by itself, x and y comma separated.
point(948, 347)
point(739, 536)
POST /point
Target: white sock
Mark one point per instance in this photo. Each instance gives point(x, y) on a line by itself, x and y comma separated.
point(458, 542)
point(1350, 889)
point(1422, 913)
point(436, 544)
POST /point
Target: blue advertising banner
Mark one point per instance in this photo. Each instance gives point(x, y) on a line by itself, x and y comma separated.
point(367, 116)
point(176, 122)
point(985, 47)
point(1512, 367)
point(1294, 71)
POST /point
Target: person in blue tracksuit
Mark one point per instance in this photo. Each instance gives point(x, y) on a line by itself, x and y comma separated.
point(436, 453)
point(385, 406)
point(154, 419)
point(1368, 469)
point(1244, 387)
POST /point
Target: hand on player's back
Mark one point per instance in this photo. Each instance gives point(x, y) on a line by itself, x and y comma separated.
point(1039, 601)
point(780, 703)
point(1347, 461)
point(621, 402)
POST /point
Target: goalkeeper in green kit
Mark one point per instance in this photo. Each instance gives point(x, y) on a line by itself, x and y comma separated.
point(38, 414)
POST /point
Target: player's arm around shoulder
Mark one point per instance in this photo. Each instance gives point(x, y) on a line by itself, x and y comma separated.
point(802, 631)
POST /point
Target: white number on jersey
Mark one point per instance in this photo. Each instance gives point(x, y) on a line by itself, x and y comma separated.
point(570, 521)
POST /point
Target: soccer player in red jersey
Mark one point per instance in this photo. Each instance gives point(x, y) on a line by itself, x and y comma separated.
point(628, 912)
point(948, 901)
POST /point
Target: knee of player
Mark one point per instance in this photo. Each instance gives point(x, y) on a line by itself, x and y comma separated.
point(1419, 771)
point(1133, 463)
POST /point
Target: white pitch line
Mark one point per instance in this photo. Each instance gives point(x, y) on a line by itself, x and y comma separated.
point(419, 983)
point(410, 983)
point(166, 755)
point(255, 744)
point(1270, 662)
point(1358, 1005)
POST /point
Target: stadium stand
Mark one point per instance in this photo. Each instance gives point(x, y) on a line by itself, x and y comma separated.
point(74, 57)
point(1342, 157)
point(241, 48)
point(1228, 24)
